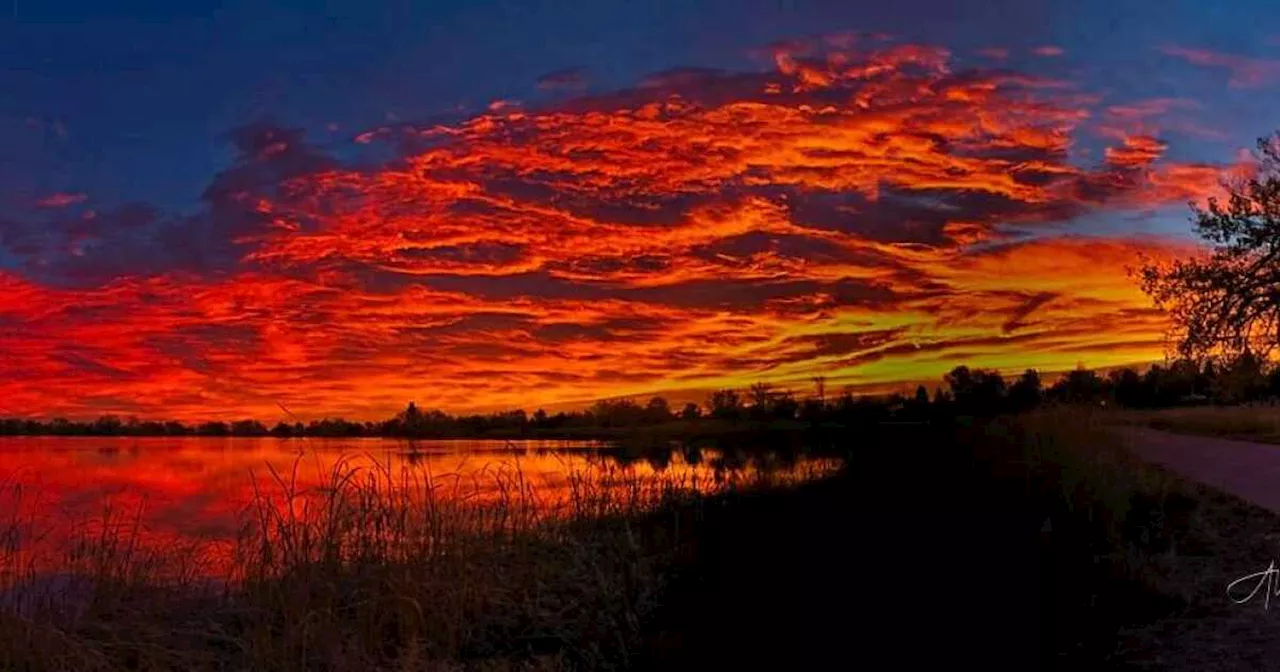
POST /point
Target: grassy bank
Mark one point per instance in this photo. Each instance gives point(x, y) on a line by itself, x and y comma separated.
point(1018, 543)
point(1035, 542)
point(1256, 422)
point(1134, 561)
point(377, 569)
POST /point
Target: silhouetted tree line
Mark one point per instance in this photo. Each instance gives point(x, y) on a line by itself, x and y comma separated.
point(965, 391)
point(1241, 379)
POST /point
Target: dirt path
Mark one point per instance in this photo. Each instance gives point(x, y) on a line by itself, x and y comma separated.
point(1245, 469)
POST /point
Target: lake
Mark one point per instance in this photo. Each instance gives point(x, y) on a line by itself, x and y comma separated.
point(176, 492)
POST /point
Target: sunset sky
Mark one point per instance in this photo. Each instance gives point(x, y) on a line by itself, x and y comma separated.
point(212, 210)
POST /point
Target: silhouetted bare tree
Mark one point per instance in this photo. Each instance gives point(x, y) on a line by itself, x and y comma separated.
point(1027, 391)
point(761, 394)
point(725, 404)
point(1228, 302)
point(976, 390)
point(820, 388)
point(657, 410)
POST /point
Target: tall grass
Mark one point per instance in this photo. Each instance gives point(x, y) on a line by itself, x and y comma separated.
point(1134, 559)
point(1127, 516)
point(380, 567)
point(1252, 422)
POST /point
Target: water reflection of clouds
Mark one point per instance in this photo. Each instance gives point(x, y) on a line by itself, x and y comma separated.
point(188, 490)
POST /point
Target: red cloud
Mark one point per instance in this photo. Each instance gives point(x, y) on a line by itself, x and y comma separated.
point(847, 213)
point(1137, 151)
point(61, 200)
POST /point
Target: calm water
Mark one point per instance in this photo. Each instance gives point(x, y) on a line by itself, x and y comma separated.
point(200, 488)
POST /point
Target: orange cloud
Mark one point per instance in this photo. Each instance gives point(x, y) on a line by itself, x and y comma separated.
point(1136, 151)
point(860, 211)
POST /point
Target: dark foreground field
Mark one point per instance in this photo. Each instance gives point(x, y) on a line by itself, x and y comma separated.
point(1031, 543)
point(886, 561)
point(1027, 543)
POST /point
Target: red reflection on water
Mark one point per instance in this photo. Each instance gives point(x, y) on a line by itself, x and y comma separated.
point(188, 492)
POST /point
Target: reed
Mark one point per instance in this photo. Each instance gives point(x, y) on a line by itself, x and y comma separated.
point(383, 566)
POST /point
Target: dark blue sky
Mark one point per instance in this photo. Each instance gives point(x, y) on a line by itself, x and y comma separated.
point(188, 224)
point(130, 101)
